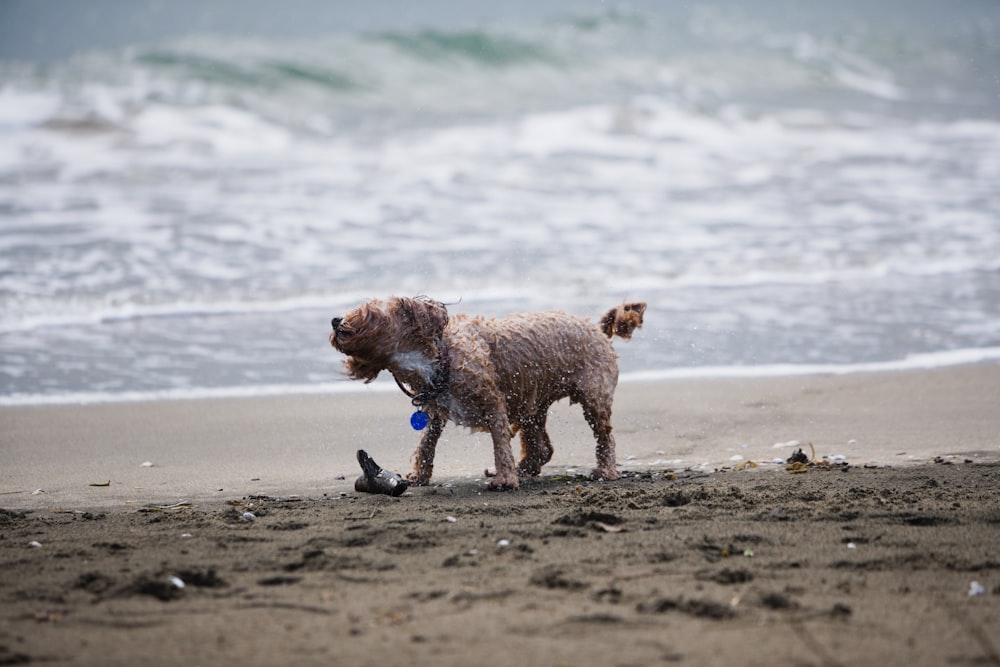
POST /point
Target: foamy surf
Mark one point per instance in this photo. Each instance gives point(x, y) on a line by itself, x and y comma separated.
point(190, 213)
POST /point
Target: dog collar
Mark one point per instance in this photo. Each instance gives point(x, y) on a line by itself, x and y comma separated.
point(439, 385)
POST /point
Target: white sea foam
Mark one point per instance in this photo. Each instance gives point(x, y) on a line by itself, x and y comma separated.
point(107, 313)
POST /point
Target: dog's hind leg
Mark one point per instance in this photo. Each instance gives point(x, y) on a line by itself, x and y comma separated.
point(598, 415)
point(423, 457)
point(536, 448)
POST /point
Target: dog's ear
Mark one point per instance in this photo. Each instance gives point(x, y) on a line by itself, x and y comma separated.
point(425, 317)
point(622, 320)
point(361, 370)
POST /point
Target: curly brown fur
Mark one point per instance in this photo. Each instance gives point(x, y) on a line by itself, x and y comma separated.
point(623, 320)
point(503, 374)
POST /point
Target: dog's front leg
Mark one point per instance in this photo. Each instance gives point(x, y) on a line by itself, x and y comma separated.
point(423, 458)
point(506, 474)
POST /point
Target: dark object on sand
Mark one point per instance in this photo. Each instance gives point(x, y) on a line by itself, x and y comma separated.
point(798, 457)
point(378, 480)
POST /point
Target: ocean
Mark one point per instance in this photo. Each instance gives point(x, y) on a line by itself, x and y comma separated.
point(790, 188)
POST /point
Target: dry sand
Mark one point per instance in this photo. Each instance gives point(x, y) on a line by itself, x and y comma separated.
point(690, 559)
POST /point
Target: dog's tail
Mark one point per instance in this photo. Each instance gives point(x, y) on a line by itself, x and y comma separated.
point(623, 320)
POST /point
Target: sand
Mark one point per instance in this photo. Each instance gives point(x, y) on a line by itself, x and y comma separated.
point(706, 552)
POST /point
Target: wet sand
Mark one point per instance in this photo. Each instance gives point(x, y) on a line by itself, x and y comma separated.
point(706, 552)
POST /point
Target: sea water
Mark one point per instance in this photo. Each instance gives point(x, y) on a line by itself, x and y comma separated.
point(789, 188)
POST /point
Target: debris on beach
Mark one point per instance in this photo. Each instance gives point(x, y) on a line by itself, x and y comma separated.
point(164, 589)
point(107, 483)
point(377, 479)
point(245, 511)
point(154, 508)
point(164, 586)
point(799, 457)
point(608, 527)
point(46, 617)
point(799, 462)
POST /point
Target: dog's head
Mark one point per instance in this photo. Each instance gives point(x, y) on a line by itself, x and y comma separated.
point(622, 320)
point(377, 332)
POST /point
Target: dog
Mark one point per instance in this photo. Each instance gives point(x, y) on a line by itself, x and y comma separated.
point(493, 375)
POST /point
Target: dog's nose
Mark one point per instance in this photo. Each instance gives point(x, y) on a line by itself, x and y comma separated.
point(336, 322)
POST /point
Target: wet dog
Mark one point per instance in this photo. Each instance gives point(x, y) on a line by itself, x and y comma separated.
point(495, 375)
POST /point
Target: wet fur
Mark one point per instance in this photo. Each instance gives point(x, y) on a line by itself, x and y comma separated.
point(504, 374)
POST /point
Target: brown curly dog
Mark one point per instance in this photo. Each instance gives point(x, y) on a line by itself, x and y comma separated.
point(494, 375)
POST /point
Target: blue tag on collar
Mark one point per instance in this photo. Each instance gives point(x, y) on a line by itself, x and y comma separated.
point(418, 420)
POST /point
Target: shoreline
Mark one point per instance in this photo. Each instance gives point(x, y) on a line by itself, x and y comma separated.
point(914, 362)
point(207, 449)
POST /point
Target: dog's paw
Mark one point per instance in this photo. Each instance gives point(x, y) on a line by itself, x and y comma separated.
point(529, 469)
point(418, 480)
point(503, 484)
point(605, 474)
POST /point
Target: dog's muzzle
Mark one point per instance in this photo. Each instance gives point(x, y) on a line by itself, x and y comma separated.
point(335, 323)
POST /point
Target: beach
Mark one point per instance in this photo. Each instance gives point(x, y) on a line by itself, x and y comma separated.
point(228, 531)
point(807, 425)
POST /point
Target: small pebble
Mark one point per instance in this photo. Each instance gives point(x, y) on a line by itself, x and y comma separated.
point(34, 544)
point(503, 543)
point(249, 516)
point(177, 582)
point(450, 519)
